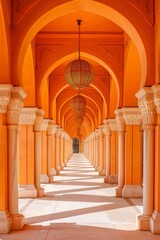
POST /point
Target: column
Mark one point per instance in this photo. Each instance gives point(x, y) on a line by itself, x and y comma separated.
point(38, 146)
point(58, 168)
point(26, 184)
point(53, 162)
point(121, 151)
point(155, 218)
point(146, 104)
point(5, 217)
point(62, 149)
point(49, 151)
point(133, 153)
point(13, 115)
point(101, 149)
point(107, 133)
point(113, 178)
point(96, 150)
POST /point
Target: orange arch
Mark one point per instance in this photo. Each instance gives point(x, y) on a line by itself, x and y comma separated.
point(40, 19)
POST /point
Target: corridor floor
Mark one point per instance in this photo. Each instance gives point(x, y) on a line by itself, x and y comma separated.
point(79, 206)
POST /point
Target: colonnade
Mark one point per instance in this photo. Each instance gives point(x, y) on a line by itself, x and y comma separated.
point(33, 150)
point(131, 152)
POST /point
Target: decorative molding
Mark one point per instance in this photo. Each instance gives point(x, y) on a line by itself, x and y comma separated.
point(15, 105)
point(106, 128)
point(5, 96)
point(38, 120)
point(50, 127)
point(113, 125)
point(120, 120)
point(147, 106)
point(132, 116)
point(44, 125)
point(156, 96)
point(27, 116)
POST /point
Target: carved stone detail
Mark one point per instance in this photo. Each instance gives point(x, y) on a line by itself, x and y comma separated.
point(113, 124)
point(132, 116)
point(5, 95)
point(27, 116)
point(15, 105)
point(120, 120)
point(106, 128)
point(156, 96)
point(50, 127)
point(38, 120)
point(147, 106)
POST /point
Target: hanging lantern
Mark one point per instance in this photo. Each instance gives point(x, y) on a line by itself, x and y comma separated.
point(78, 102)
point(79, 113)
point(79, 73)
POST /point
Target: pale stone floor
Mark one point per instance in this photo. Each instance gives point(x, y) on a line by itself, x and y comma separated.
point(79, 206)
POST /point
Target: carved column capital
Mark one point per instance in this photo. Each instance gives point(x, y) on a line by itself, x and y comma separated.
point(106, 128)
point(147, 107)
point(38, 120)
point(27, 116)
point(113, 124)
point(15, 105)
point(50, 127)
point(120, 120)
point(156, 96)
point(132, 116)
point(100, 131)
point(5, 95)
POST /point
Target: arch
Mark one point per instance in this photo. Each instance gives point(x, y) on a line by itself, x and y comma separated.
point(4, 48)
point(118, 16)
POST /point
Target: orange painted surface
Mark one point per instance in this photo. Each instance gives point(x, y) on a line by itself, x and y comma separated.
point(44, 153)
point(157, 167)
point(133, 155)
point(4, 165)
point(114, 153)
point(26, 155)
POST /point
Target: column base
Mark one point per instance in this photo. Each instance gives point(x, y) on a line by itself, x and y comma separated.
point(5, 222)
point(105, 179)
point(155, 222)
point(17, 221)
point(53, 172)
point(132, 191)
point(118, 192)
point(44, 178)
point(27, 191)
point(113, 179)
point(144, 222)
point(40, 192)
point(51, 178)
point(103, 172)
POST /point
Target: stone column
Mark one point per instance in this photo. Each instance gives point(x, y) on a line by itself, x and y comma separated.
point(101, 149)
point(107, 132)
point(96, 151)
point(113, 178)
point(146, 105)
point(58, 168)
point(133, 153)
point(5, 217)
point(49, 151)
point(121, 151)
point(62, 149)
point(53, 162)
point(13, 116)
point(38, 145)
point(155, 218)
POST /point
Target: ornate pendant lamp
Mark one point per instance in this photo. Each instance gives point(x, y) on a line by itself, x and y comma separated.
point(78, 103)
point(79, 73)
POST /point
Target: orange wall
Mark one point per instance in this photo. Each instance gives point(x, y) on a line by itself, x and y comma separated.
point(3, 165)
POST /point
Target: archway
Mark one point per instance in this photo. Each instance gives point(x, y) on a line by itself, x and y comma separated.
point(75, 145)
